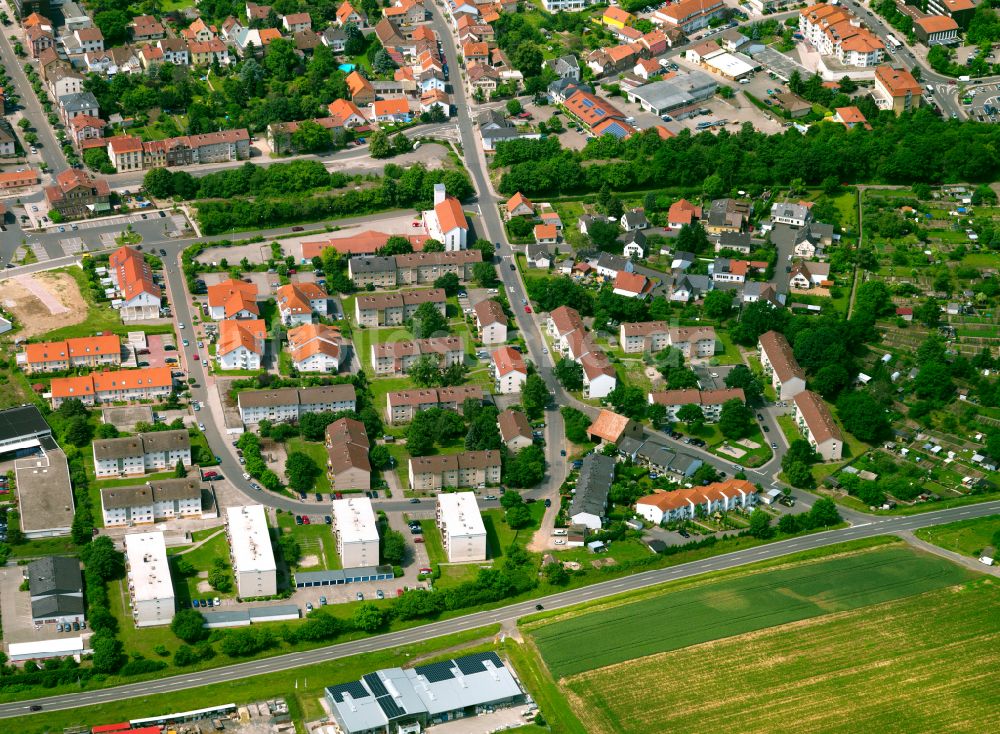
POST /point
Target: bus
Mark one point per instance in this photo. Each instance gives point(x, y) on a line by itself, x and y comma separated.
point(893, 43)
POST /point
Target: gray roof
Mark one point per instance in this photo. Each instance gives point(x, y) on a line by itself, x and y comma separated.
point(613, 262)
point(734, 239)
point(296, 396)
point(78, 101)
point(23, 422)
point(165, 440)
point(340, 575)
point(682, 89)
point(695, 283)
point(536, 251)
point(566, 87)
point(494, 118)
point(788, 210)
point(118, 448)
point(425, 691)
point(596, 476)
point(628, 446)
point(656, 454)
point(144, 443)
point(635, 219)
point(57, 605)
point(499, 133)
point(635, 235)
point(564, 64)
point(55, 575)
point(373, 264)
point(142, 495)
point(334, 34)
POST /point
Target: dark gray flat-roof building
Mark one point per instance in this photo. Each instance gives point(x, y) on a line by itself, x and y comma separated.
point(20, 430)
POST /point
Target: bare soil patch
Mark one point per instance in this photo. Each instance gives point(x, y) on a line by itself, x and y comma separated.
point(42, 302)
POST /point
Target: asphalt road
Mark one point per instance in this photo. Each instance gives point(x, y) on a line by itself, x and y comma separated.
point(612, 587)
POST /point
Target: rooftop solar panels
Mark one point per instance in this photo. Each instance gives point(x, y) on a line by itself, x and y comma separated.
point(375, 684)
point(353, 688)
point(389, 707)
point(473, 663)
point(436, 672)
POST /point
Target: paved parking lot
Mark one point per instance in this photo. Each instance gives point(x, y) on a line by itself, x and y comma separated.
point(15, 608)
point(255, 253)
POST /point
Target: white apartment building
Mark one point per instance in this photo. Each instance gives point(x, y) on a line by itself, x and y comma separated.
point(250, 549)
point(644, 336)
point(151, 593)
point(835, 31)
point(779, 363)
point(289, 403)
point(693, 342)
point(818, 426)
point(147, 503)
point(357, 533)
point(141, 454)
point(462, 531)
point(509, 370)
point(491, 322)
point(569, 6)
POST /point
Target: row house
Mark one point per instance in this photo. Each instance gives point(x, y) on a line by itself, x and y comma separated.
point(297, 302)
point(165, 499)
point(688, 15)
point(396, 358)
point(128, 153)
point(138, 296)
point(509, 370)
point(290, 403)
point(407, 12)
point(393, 309)
point(710, 401)
point(241, 344)
point(402, 405)
point(814, 419)
point(63, 80)
point(206, 53)
point(315, 348)
point(88, 351)
point(38, 39)
point(779, 364)
point(77, 194)
point(117, 60)
point(659, 459)
point(467, 469)
point(149, 383)
point(413, 268)
point(347, 462)
point(684, 504)
point(141, 454)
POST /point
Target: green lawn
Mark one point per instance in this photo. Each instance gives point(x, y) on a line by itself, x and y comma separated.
point(365, 338)
point(46, 546)
point(865, 670)
point(202, 558)
point(316, 452)
point(500, 538)
point(317, 540)
point(432, 542)
point(755, 601)
point(788, 427)
point(968, 537)
point(731, 352)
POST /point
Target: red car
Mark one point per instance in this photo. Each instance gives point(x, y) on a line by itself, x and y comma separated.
point(305, 519)
point(415, 224)
point(196, 357)
point(418, 539)
point(425, 570)
point(527, 309)
point(210, 474)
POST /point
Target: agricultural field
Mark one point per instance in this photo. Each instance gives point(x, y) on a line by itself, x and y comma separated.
point(736, 606)
point(968, 537)
point(873, 669)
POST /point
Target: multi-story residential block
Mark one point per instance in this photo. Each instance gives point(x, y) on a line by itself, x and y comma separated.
point(563, 321)
point(693, 342)
point(289, 403)
point(814, 419)
point(896, 90)
point(491, 322)
point(468, 469)
point(250, 550)
point(688, 15)
point(87, 351)
point(412, 269)
point(241, 344)
point(515, 431)
point(357, 532)
point(509, 370)
point(297, 302)
point(347, 457)
point(835, 31)
point(685, 504)
point(710, 401)
point(402, 405)
point(129, 153)
point(63, 80)
point(778, 361)
point(644, 336)
point(232, 299)
point(463, 533)
point(85, 127)
point(315, 348)
point(139, 296)
point(80, 103)
point(393, 309)
point(142, 453)
point(148, 383)
point(151, 592)
point(164, 499)
point(396, 358)
point(78, 194)
point(125, 153)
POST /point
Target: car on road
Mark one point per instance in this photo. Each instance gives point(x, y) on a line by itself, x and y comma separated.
point(297, 229)
point(419, 539)
point(196, 357)
point(490, 497)
point(767, 429)
point(545, 351)
point(414, 500)
point(548, 503)
point(34, 707)
point(527, 309)
point(245, 475)
point(774, 444)
point(163, 252)
point(185, 342)
point(513, 267)
point(760, 416)
point(562, 452)
point(180, 325)
point(201, 426)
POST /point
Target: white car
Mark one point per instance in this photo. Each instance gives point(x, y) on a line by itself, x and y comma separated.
point(180, 325)
point(245, 475)
point(201, 426)
point(559, 541)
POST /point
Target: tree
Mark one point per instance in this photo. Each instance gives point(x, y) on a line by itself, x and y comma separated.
point(355, 43)
point(219, 577)
point(393, 547)
point(511, 499)
point(735, 419)
point(799, 474)
point(383, 64)
point(824, 513)
point(718, 304)
point(928, 313)
point(933, 382)
point(518, 517)
point(569, 374)
point(692, 238)
point(79, 432)
point(740, 376)
point(426, 371)
point(179, 471)
point(311, 137)
point(158, 183)
point(514, 107)
point(604, 234)
point(830, 380)
point(290, 549)
point(760, 524)
point(657, 414)
point(368, 618)
point(104, 559)
point(379, 145)
point(188, 625)
point(485, 274)
point(534, 395)
point(427, 321)
point(114, 26)
point(433, 245)
point(692, 415)
point(448, 283)
point(556, 574)
point(576, 423)
point(629, 401)
point(301, 471)
point(379, 457)
point(863, 416)
point(526, 468)
point(108, 655)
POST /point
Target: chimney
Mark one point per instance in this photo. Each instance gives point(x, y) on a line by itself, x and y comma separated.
point(439, 193)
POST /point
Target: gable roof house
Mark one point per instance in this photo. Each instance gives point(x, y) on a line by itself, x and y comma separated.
point(610, 427)
point(515, 431)
point(232, 299)
point(590, 497)
point(140, 296)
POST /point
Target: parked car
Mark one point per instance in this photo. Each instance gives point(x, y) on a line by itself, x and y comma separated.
point(309, 606)
point(379, 594)
point(322, 601)
point(298, 519)
point(360, 596)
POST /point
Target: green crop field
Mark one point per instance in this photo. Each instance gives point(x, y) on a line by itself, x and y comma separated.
point(968, 537)
point(925, 663)
point(735, 606)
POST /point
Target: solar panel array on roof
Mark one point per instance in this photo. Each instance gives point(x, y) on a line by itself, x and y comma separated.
point(354, 688)
point(470, 664)
point(375, 684)
point(389, 707)
point(436, 672)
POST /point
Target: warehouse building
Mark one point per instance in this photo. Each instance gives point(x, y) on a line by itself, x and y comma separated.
point(151, 593)
point(44, 492)
point(21, 430)
point(250, 547)
point(55, 584)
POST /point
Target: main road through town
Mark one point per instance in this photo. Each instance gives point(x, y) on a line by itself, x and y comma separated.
point(637, 581)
